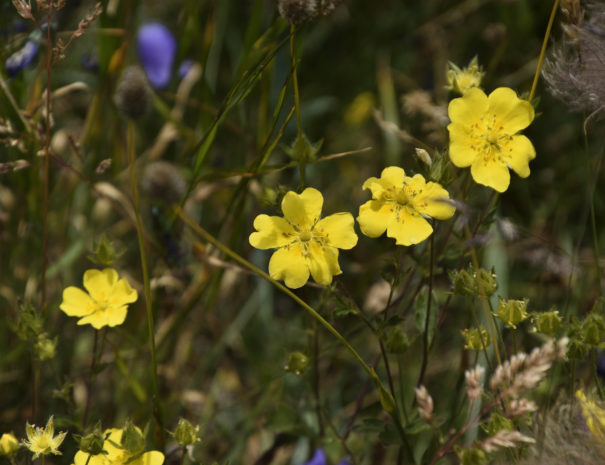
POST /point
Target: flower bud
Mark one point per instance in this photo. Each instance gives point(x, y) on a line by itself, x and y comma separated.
point(45, 348)
point(472, 456)
point(133, 441)
point(92, 443)
point(464, 284)
point(512, 312)
point(485, 282)
point(8, 444)
point(593, 330)
point(461, 80)
point(185, 433)
point(133, 96)
point(548, 322)
point(397, 341)
point(475, 339)
point(297, 363)
point(104, 252)
point(303, 151)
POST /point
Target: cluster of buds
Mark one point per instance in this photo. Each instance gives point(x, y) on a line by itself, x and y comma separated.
point(470, 283)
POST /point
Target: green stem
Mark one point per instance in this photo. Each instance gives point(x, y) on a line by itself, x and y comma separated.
point(140, 237)
point(295, 78)
point(246, 264)
point(551, 20)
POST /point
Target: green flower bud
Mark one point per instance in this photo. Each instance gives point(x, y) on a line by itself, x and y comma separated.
point(576, 349)
point(472, 456)
point(92, 443)
point(593, 330)
point(133, 441)
point(303, 151)
point(485, 282)
point(464, 284)
point(297, 363)
point(474, 339)
point(512, 312)
point(8, 444)
point(185, 433)
point(45, 347)
point(104, 252)
point(461, 80)
point(548, 322)
point(397, 341)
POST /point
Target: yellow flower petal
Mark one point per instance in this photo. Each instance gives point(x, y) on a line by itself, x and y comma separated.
point(374, 216)
point(112, 316)
point(410, 229)
point(460, 151)
point(272, 232)
point(513, 113)
point(434, 201)
point(99, 284)
point(81, 458)
point(122, 294)
point(76, 302)
point(289, 265)
point(390, 180)
point(522, 152)
point(323, 263)
point(466, 108)
point(338, 229)
point(302, 210)
point(153, 457)
point(491, 174)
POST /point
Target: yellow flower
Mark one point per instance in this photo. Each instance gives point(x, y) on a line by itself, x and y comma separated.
point(42, 441)
point(483, 135)
point(106, 302)
point(8, 444)
point(305, 244)
point(461, 80)
point(400, 203)
point(117, 455)
point(593, 415)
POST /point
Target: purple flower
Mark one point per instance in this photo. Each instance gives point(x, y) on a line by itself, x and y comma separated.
point(21, 58)
point(319, 458)
point(185, 67)
point(156, 47)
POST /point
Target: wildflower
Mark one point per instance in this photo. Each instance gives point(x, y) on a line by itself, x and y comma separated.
point(400, 203)
point(360, 109)
point(8, 444)
point(106, 302)
point(512, 312)
point(305, 244)
point(593, 415)
point(117, 454)
point(21, 58)
point(483, 135)
point(133, 95)
point(461, 80)
point(42, 441)
point(156, 47)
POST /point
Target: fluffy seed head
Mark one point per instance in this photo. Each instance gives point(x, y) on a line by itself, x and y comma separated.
point(133, 96)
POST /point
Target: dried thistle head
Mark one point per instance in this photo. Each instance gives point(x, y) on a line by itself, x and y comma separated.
point(302, 11)
point(133, 96)
point(163, 182)
point(575, 69)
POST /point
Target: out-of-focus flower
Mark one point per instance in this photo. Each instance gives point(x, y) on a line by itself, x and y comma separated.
point(399, 205)
point(156, 47)
point(461, 80)
point(184, 68)
point(21, 58)
point(360, 109)
point(484, 135)
point(106, 302)
point(8, 444)
point(42, 441)
point(117, 453)
point(186, 434)
point(305, 244)
point(319, 458)
point(594, 416)
point(133, 95)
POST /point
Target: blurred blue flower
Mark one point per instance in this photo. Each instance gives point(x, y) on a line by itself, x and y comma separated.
point(184, 68)
point(21, 58)
point(156, 47)
point(319, 458)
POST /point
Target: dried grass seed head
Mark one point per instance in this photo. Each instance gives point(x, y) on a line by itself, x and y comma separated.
point(133, 96)
point(575, 69)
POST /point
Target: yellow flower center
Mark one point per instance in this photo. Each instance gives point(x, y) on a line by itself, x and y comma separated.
point(489, 139)
point(305, 235)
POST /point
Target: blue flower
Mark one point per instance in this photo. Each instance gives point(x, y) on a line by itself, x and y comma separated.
point(156, 47)
point(21, 58)
point(319, 458)
point(185, 67)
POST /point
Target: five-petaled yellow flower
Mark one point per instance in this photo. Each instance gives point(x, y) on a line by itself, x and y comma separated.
point(399, 205)
point(106, 302)
point(117, 455)
point(305, 244)
point(42, 441)
point(484, 135)
point(8, 444)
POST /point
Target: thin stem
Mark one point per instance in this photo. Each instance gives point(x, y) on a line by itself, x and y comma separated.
point(147, 287)
point(294, 77)
point(90, 380)
point(425, 351)
point(551, 20)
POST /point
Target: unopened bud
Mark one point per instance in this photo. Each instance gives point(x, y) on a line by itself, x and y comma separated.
point(548, 322)
point(475, 339)
point(185, 433)
point(133, 96)
point(512, 312)
point(297, 363)
point(133, 441)
point(92, 443)
point(8, 444)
